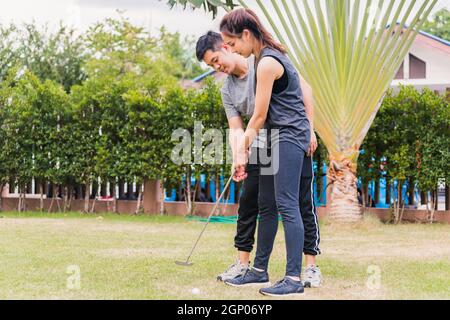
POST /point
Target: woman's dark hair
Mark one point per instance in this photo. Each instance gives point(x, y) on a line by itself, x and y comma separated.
point(210, 41)
point(235, 22)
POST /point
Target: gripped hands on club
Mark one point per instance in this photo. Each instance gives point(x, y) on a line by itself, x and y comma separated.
point(240, 161)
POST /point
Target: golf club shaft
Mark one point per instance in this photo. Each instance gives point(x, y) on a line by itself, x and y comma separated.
point(210, 215)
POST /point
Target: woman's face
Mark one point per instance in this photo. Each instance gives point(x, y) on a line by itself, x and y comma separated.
point(240, 45)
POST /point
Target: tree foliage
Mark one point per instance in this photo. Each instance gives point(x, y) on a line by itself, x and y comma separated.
point(439, 24)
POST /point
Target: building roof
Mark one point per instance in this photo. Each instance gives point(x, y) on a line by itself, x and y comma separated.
point(204, 75)
point(443, 41)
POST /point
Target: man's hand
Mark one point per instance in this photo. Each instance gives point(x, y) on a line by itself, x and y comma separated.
point(313, 144)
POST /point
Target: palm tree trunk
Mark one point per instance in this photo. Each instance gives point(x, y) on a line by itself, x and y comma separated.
point(344, 205)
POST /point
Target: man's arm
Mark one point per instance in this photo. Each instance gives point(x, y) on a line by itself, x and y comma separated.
point(236, 132)
point(309, 107)
point(235, 124)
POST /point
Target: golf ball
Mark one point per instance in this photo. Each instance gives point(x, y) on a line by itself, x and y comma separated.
point(196, 291)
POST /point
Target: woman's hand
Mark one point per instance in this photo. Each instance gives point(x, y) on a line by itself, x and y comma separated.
point(239, 164)
point(313, 143)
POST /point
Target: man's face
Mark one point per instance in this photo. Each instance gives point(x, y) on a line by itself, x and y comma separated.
point(221, 60)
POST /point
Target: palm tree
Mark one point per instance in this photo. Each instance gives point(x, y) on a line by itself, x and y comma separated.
point(349, 52)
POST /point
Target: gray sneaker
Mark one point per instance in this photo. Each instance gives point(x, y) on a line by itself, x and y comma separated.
point(235, 270)
point(312, 277)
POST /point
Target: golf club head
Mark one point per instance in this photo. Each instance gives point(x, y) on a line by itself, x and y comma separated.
point(184, 263)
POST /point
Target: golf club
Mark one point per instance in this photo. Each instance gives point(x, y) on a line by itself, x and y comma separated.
point(187, 263)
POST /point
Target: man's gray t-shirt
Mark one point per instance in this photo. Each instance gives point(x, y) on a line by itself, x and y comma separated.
point(238, 97)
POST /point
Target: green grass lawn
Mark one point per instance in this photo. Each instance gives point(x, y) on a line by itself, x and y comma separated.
point(126, 257)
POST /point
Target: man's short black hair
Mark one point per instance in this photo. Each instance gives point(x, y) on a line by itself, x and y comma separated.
point(210, 41)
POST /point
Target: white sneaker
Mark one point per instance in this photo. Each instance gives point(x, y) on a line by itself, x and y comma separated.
point(233, 271)
point(312, 277)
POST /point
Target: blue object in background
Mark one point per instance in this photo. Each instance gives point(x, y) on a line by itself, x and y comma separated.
point(319, 200)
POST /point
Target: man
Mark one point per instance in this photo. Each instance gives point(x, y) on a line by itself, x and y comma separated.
point(238, 98)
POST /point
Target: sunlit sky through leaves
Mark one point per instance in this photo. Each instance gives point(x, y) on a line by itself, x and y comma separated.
point(150, 14)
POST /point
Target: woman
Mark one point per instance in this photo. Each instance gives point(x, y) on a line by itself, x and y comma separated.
point(279, 106)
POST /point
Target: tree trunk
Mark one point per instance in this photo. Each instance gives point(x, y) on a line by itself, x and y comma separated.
point(24, 203)
point(53, 199)
point(365, 194)
point(114, 197)
point(395, 209)
point(363, 198)
point(217, 186)
point(433, 203)
point(423, 198)
point(162, 197)
point(1, 198)
point(342, 179)
point(188, 191)
point(130, 194)
point(19, 205)
point(138, 205)
point(194, 195)
point(95, 198)
point(388, 192)
point(71, 195)
point(66, 198)
point(41, 198)
point(121, 190)
point(411, 188)
point(377, 191)
point(86, 197)
point(447, 195)
point(397, 203)
point(436, 202)
point(19, 208)
point(57, 199)
point(401, 213)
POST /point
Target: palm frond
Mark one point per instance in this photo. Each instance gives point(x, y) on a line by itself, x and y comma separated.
point(349, 52)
